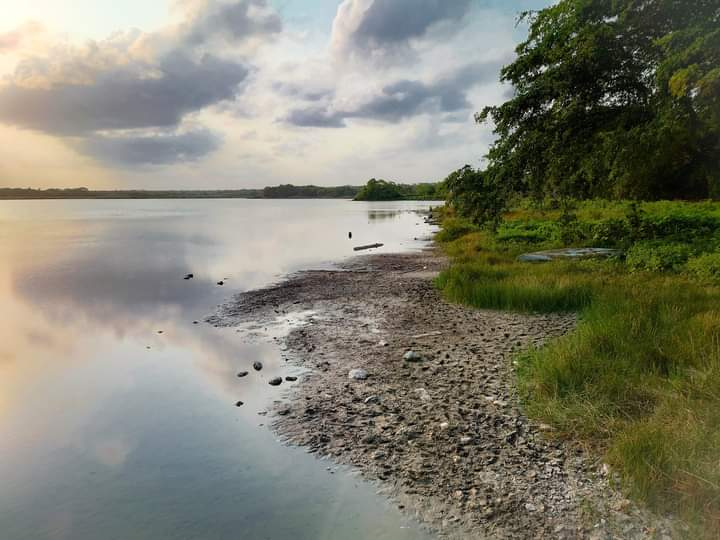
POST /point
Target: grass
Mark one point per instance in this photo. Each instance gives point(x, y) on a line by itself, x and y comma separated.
point(639, 379)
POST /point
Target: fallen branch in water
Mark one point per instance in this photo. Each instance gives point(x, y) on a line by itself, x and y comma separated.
point(369, 246)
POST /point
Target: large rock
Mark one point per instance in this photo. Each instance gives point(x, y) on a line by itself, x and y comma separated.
point(567, 253)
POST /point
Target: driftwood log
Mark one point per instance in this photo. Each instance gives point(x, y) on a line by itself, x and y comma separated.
point(369, 246)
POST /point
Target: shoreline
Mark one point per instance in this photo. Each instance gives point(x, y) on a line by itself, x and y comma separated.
point(445, 435)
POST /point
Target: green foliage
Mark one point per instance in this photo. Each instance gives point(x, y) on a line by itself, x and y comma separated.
point(288, 191)
point(706, 266)
point(612, 98)
point(382, 190)
point(453, 228)
point(472, 195)
point(657, 257)
point(638, 379)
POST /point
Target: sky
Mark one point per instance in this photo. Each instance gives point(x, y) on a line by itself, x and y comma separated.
point(209, 94)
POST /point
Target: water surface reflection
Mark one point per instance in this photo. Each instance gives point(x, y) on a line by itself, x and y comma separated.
point(117, 411)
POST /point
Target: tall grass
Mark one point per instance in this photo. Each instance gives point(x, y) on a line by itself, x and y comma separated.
point(639, 379)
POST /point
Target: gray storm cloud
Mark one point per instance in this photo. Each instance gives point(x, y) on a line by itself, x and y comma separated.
point(156, 149)
point(122, 98)
point(404, 99)
point(234, 21)
point(382, 29)
point(124, 83)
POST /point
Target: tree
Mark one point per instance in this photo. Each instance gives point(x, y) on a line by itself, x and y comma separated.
point(614, 98)
point(471, 193)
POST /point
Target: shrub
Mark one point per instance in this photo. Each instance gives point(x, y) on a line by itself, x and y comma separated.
point(454, 228)
point(656, 257)
point(705, 266)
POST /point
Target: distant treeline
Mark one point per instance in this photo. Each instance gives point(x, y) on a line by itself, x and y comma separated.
point(383, 190)
point(288, 191)
point(85, 193)
point(374, 190)
point(275, 192)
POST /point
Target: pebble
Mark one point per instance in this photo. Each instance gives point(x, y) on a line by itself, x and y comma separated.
point(358, 374)
point(242, 374)
point(275, 381)
point(412, 356)
point(371, 399)
point(291, 378)
point(257, 366)
point(239, 404)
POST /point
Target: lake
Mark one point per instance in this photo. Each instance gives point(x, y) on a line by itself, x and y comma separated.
point(118, 411)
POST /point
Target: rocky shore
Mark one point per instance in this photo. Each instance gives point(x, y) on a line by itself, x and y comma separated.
point(420, 395)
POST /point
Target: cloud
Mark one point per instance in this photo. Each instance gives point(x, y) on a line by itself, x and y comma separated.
point(304, 91)
point(136, 80)
point(123, 96)
point(234, 21)
point(405, 98)
point(13, 40)
point(385, 29)
point(151, 149)
point(316, 117)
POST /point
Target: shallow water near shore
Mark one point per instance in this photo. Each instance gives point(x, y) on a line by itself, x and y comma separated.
point(118, 412)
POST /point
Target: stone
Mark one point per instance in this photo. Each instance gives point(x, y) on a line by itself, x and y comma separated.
point(444, 425)
point(221, 282)
point(242, 374)
point(568, 253)
point(358, 374)
point(257, 366)
point(291, 378)
point(239, 404)
point(383, 344)
point(412, 356)
point(275, 381)
point(465, 440)
point(423, 394)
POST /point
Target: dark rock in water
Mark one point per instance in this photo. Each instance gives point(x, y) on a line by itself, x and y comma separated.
point(239, 404)
point(290, 378)
point(257, 366)
point(221, 283)
point(243, 374)
point(188, 276)
point(195, 322)
point(275, 381)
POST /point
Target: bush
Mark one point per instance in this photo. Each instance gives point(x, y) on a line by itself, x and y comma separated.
point(454, 228)
point(531, 232)
point(656, 257)
point(705, 266)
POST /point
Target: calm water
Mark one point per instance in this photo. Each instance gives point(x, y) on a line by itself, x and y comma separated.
point(112, 430)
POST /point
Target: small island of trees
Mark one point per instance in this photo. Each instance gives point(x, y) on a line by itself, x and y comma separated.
point(383, 190)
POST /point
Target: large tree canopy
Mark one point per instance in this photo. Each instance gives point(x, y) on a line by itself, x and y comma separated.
point(613, 98)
